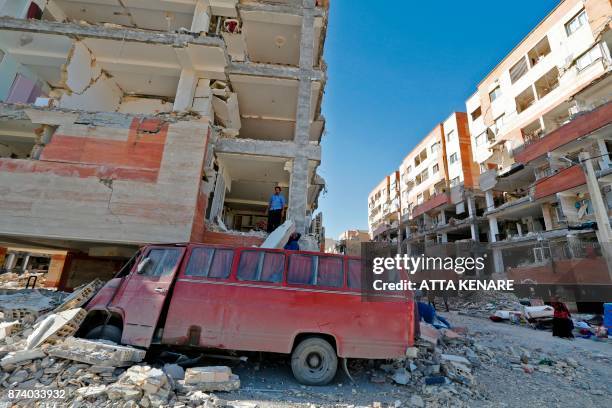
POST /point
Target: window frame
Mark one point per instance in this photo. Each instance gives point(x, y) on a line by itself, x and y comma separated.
point(453, 158)
point(576, 17)
point(260, 262)
point(435, 168)
point(495, 94)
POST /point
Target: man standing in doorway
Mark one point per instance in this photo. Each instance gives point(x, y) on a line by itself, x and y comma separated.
point(276, 208)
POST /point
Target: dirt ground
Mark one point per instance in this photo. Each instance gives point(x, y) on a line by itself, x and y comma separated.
point(501, 382)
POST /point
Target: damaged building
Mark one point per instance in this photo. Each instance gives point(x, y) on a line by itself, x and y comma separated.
point(525, 173)
point(126, 122)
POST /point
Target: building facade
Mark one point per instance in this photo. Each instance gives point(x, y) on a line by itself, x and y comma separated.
point(525, 172)
point(383, 208)
point(127, 122)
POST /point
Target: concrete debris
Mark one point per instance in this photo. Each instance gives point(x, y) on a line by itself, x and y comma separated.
point(219, 378)
point(13, 280)
point(8, 328)
point(97, 352)
point(279, 237)
point(28, 304)
point(80, 296)
point(56, 327)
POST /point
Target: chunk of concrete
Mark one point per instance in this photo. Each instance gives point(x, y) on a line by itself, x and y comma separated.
point(279, 237)
point(198, 375)
point(429, 333)
point(8, 328)
point(56, 327)
point(97, 353)
point(20, 356)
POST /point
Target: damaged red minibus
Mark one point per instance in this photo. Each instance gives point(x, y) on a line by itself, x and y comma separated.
point(307, 304)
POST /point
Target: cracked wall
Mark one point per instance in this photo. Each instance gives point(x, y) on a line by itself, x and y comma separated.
point(109, 184)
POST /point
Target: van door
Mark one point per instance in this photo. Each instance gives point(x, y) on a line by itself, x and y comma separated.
point(145, 293)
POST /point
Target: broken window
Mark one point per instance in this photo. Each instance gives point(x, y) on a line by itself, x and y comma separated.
point(589, 57)
point(453, 158)
point(525, 99)
point(518, 70)
point(454, 182)
point(576, 22)
point(420, 158)
point(421, 177)
point(476, 113)
point(532, 131)
point(495, 93)
point(419, 199)
point(330, 272)
point(435, 168)
point(547, 83)
point(538, 52)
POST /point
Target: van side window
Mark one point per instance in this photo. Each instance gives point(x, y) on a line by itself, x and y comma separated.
point(161, 261)
point(354, 274)
point(222, 264)
point(210, 262)
point(261, 266)
point(301, 270)
point(199, 262)
point(330, 272)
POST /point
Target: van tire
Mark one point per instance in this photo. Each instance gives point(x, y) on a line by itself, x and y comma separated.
point(314, 362)
point(105, 332)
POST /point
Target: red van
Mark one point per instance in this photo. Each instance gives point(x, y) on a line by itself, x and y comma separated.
point(307, 304)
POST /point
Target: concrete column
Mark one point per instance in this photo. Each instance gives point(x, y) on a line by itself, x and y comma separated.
point(11, 260)
point(56, 269)
point(201, 17)
point(519, 228)
point(498, 261)
point(2, 257)
point(471, 205)
point(298, 193)
point(548, 224)
point(604, 232)
point(443, 221)
point(493, 228)
point(603, 150)
point(489, 200)
point(42, 139)
point(26, 261)
point(298, 190)
point(185, 90)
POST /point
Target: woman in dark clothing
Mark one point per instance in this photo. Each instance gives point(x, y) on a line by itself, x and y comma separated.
point(562, 320)
point(293, 242)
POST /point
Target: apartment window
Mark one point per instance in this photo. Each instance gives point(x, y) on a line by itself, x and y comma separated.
point(538, 52)
point(589, 57)
point(499, 122)
point(453, 158)
point(524, 100)
point(435, 148)
point(420, 158)
point(481, 139)
point(575, 23)
point(547, 82)
point(518, 70)
point(449, 135)
point(454, 182)
point(420, 199)
point(495, 93)
point(421, 177)
point(435, 169)
point(476, 113)
point(408, 169)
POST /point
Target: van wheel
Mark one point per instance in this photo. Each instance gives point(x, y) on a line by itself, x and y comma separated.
point(314, 362)
point(108, 332)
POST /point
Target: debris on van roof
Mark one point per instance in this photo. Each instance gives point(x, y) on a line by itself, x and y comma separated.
point(279, 237)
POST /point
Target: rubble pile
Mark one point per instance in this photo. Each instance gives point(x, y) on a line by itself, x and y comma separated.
point(13, 280)
point(439, 369)
point(38, 352)
point(484, 303)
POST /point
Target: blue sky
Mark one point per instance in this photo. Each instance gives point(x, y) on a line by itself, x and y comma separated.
point(396, 68)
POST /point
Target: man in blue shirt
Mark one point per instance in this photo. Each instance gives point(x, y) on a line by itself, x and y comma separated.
point(276, 208)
